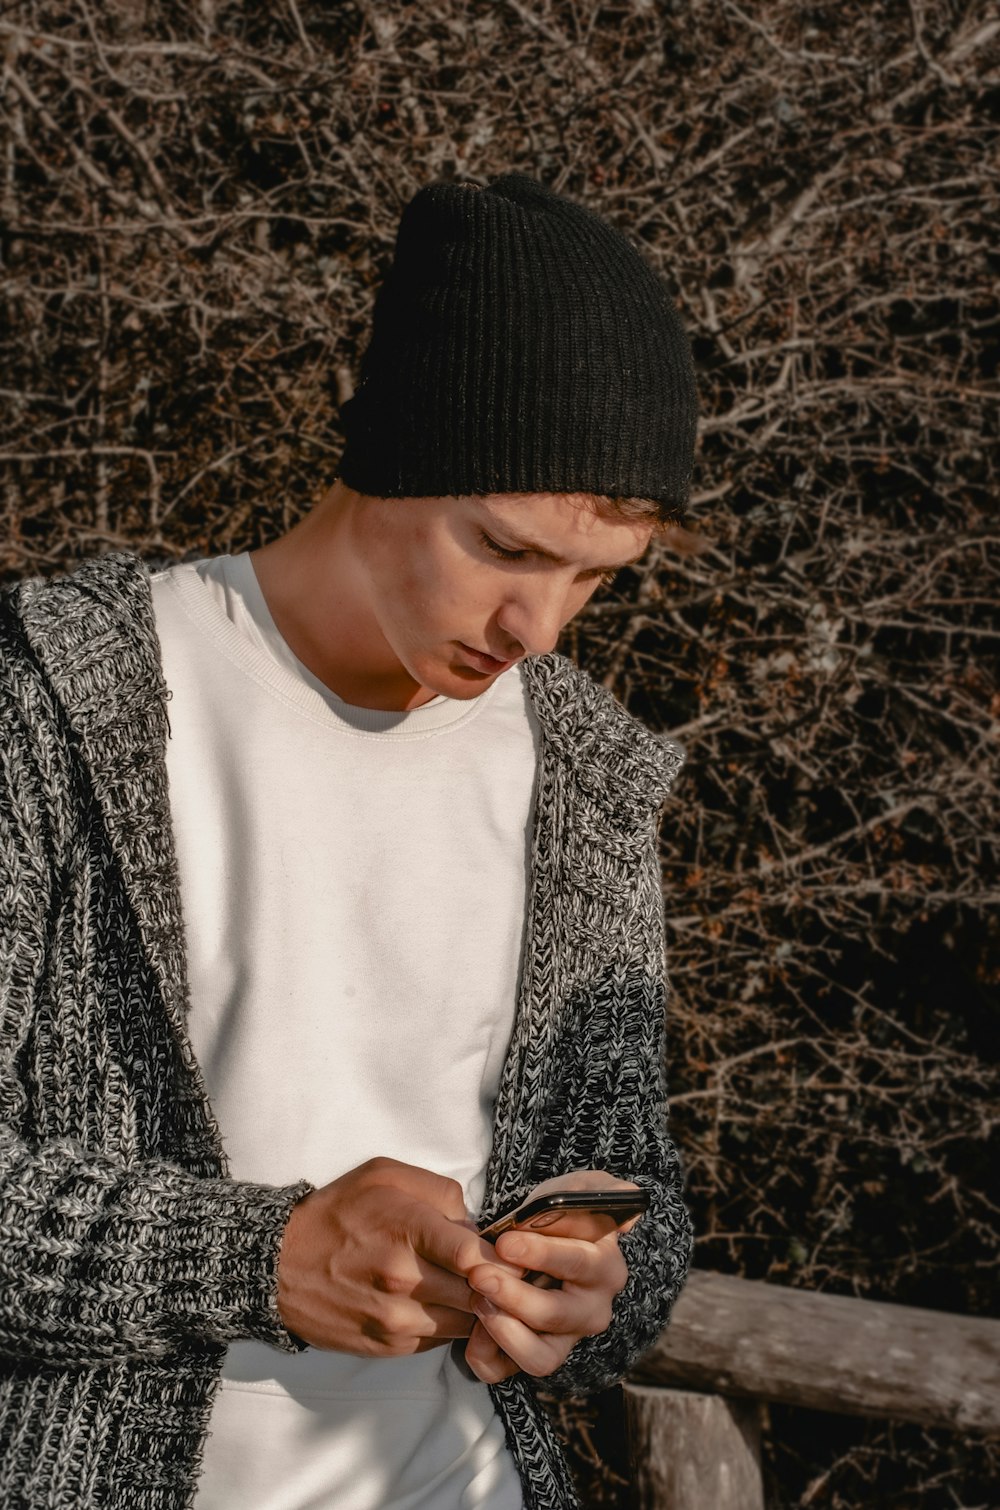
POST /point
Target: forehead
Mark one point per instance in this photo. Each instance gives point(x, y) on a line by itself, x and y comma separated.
point(577, 511)
point(574, 502)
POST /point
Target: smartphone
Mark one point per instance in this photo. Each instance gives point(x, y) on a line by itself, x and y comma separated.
point(586, 1214)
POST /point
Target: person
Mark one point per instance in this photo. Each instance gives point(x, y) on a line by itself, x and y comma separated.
point(326, 939)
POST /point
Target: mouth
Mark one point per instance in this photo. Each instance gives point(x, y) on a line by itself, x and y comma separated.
point(481, 661)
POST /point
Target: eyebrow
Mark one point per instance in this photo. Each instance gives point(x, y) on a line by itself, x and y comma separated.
point(521, 543)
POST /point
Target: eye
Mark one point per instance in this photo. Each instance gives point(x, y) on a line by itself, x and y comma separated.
point(498, 550)
point(604, 577)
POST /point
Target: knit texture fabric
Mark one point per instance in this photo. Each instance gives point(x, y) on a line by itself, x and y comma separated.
point(129, 1257)
point(520, 343)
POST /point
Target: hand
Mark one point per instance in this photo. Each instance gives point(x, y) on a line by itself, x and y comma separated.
point(375, 1263)
point(523, 1327)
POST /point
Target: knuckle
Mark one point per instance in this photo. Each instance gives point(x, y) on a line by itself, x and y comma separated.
point(473, 1251)
point(452, 1198)
point(622, 1272)
point(469, 1252)
point(384, 1326)
point(604, 1318)
point(554, 1318)
point(396, 1321)
point(402, 1346)
point(546, 1362)
point(578, 1261)
point(380, 1168)
point(390, 1281)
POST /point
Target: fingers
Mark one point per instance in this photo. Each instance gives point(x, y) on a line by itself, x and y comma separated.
point(405, 1326)
point(580, 1312)
point(375, 1262)
point(565, 1258)
point(439, 1322)
point(420, 1279)
point(487, 1359)
point(431, 1268)
point(536, 1353)
point(454, 1246)
point(538, 1328)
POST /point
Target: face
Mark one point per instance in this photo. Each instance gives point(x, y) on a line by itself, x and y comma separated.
point(499, 574)
point(391, 589)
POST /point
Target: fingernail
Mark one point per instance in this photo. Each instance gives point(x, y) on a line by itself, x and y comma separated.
point(514, 1247)
point(484, 1307)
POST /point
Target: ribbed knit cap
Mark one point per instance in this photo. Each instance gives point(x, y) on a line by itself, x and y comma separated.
point(520, 343)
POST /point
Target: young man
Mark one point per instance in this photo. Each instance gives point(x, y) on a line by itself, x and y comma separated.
point(361, 941)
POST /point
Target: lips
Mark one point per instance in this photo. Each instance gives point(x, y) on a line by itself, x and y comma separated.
point(482, 661)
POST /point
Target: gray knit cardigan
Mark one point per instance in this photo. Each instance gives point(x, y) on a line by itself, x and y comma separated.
point(129, 1257)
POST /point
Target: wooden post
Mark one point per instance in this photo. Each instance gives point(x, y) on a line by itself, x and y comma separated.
point(693, 1452)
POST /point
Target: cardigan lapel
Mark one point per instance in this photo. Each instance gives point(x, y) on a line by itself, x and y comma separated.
point(622, 766)
point(601, 780)
point(94, 634)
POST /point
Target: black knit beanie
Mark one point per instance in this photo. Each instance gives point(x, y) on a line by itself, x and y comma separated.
point(519, 343)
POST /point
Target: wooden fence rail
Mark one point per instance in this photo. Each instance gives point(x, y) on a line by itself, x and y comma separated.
point(693, 1400)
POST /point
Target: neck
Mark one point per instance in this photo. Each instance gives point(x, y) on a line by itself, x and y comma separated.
point(314, 589)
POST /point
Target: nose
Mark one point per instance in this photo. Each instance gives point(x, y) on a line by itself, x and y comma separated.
point(534, 618)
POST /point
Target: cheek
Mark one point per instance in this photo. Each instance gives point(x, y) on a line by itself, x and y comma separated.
point(429, 595)
point(412, 582)
point(449, 584)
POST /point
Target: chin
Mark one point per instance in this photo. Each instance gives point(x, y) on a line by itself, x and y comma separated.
point(468, 690)
point(456, 680)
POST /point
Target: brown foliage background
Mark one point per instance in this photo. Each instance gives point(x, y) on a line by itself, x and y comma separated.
point(198, 201)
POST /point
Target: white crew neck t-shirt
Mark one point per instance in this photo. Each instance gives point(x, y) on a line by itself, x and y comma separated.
point(353, 887)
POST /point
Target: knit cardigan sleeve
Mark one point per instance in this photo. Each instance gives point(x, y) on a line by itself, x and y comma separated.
point(102, 1258)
